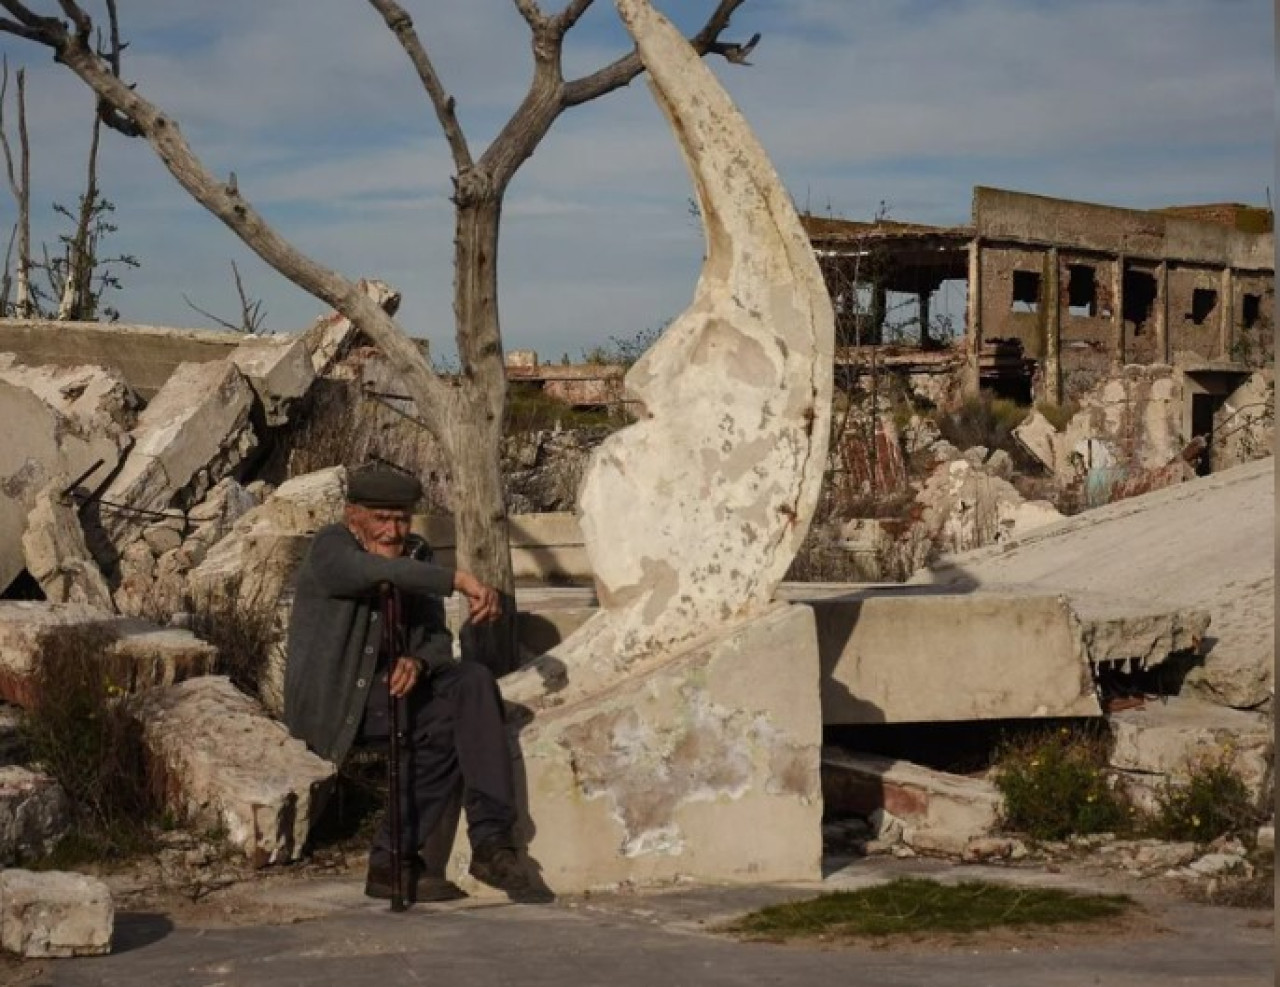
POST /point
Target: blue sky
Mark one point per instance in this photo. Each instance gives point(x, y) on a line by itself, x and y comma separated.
point(313, 105)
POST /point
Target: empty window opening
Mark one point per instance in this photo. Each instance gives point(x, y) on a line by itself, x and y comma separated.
point(1139, 299)
point(1203, 301)
point(1082, 290)
point(1026, 291)
point(1250, 310)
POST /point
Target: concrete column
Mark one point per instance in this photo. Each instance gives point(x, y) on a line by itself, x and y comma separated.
point(973, 320)
point(1162, 312)
point(1227, 312)
point(1051, 300)
point(879, 312)
point(922, 303)
point(1118, 355)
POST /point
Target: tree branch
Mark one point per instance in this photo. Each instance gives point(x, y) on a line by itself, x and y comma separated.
point(84, 26)
point(432, 396)
point(401, 25)
point(532, 14)
point(621, 72)
point(571, 15)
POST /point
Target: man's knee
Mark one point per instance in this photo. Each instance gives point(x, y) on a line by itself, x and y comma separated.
point(468, 675)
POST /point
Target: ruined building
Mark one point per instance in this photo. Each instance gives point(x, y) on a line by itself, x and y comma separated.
point(1079, 289)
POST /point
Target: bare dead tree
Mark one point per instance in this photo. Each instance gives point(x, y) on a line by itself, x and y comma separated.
point(464, 414)
point(252, 314)
point(77, 286)
point(24, 304)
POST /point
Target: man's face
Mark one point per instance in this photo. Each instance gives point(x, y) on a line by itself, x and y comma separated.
point(380, 530)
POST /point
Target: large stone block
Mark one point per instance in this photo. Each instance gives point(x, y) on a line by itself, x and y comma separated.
point(279, 369)
point(34, 814)
point(1172, 739)
point(927, 658)
point(144, 356)
point(940, 811)
point(702, 767)
point(257, 559)
point(57, 555)
point(54, 914)
point(196, 419)
point(47, 435)
point(225, 764)
point(134, 653)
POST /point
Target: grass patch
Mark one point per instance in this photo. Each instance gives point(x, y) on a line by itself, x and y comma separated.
point(915, 905)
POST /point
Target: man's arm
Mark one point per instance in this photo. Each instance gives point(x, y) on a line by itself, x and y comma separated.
point(344, 569)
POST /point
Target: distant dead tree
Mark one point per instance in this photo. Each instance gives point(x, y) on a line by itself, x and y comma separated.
point(465, 413)
point(253, 316)
point(76, 276)
point(23, 300)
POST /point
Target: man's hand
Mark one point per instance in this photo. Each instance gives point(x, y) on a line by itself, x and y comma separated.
point(483, 600)
point(404, 676)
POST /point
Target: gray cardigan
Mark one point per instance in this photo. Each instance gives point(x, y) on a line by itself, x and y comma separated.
point(335, 634)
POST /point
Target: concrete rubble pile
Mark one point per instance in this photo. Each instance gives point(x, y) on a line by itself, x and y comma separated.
point(128, 512)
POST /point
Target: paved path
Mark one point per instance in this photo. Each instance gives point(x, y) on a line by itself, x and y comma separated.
point(637, 940)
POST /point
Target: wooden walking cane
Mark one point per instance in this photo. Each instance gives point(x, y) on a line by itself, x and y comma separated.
point(393, 643)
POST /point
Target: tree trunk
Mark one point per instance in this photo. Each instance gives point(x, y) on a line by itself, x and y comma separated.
point(480, 521)
point(475, 424)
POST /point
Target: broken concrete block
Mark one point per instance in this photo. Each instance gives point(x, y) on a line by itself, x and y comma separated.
point(333, 334)
point(221, 508)
point(965, 508)
point(134, 653)
point(1239, 668)
point(1036, 434)
point(54, 914)
point(225, 764)
point(1170, 739)
point(199, 420)
point(279, 369)
point(703, 767)
point(928, 658)
point(146, 655)
point(1205, 545)
point(34, 814)
point(940, 812)
point(257, 560)
point(48, 436)
point(56, 554)
point(1143, 640)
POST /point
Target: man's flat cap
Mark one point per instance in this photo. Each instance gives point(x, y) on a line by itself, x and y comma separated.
point(377, 486)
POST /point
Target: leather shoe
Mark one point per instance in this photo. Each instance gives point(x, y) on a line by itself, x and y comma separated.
point(498, 865)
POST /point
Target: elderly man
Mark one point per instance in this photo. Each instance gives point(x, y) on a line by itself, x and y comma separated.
point(342, 671)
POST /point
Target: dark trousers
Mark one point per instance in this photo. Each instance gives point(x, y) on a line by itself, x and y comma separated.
point(454, 739)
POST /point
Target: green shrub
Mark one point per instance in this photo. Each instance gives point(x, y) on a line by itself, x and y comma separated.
point(242, 635)
point(1055, 785)
point(81, 727)
point(1213, 802)
point(530, 409)
point(983, 421)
